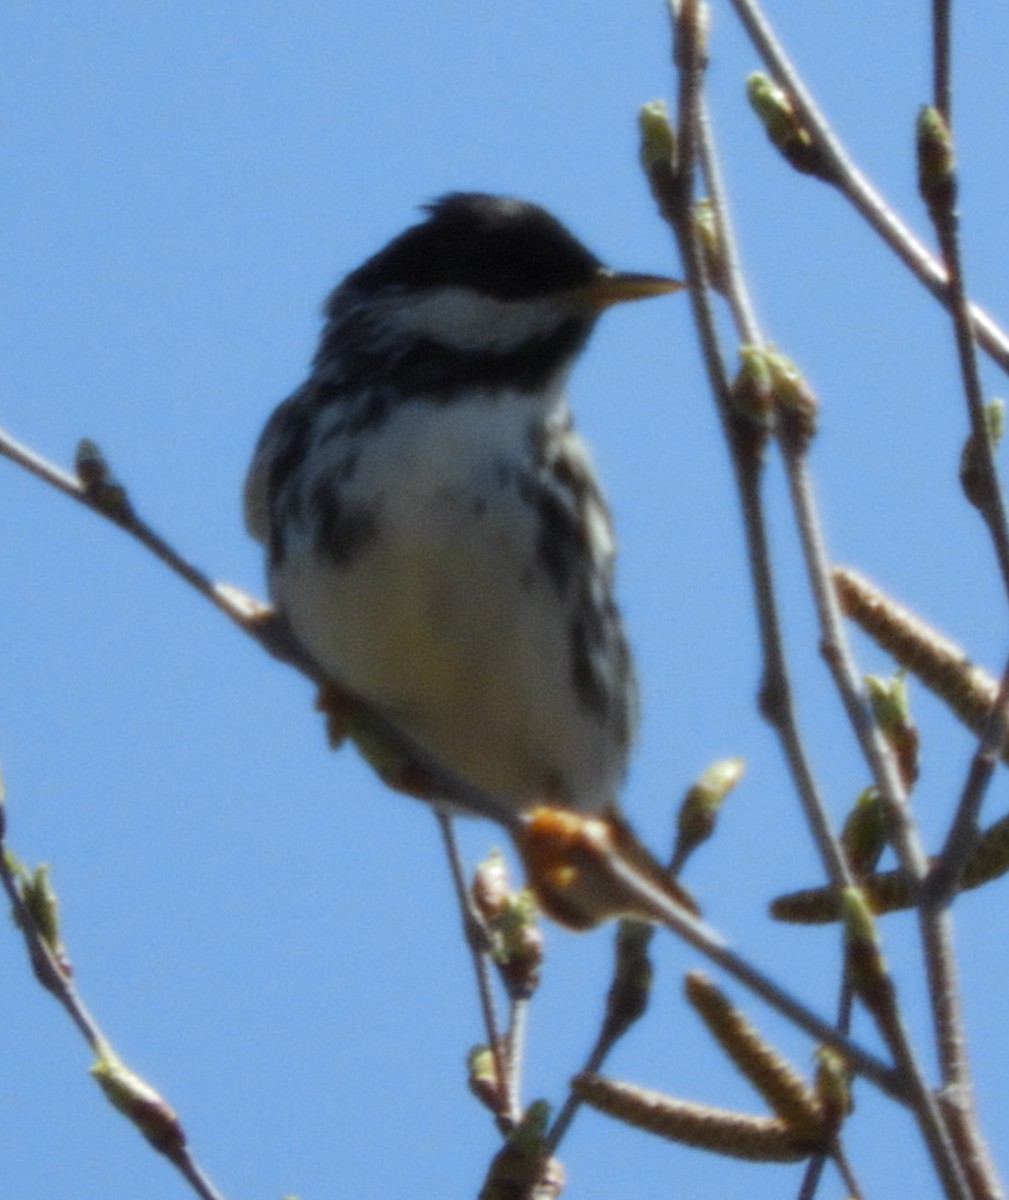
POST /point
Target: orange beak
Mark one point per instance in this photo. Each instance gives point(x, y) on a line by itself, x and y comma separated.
point(614, 287)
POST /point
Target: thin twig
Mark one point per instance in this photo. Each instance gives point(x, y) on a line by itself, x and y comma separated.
point(675, 195)
point(476, 939)
point(59, 983)
point(626, 1002)
point(837, 652)
point(52, 977)
point(944, 880)
point(697, 933)
point(572, 1103)
point(736, 289)
point(856, 188)
point(674, 191)
point(987, 491)
point(938, 185)
point(814, 1169)
point(942, 73)
point(745, 443)
point(518, 1024)
point(879, 757)
point(881, 761)
point(939, 190)
point(811, 1177)
point(229, 601)
point(905, 1083)
point(847, 1174)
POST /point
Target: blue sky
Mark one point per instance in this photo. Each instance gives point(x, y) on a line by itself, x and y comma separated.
point(262, 930)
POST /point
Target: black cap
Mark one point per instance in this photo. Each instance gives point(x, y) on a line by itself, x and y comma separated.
point(497, 246)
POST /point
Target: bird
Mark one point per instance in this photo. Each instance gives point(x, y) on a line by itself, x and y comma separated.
point(437, 540)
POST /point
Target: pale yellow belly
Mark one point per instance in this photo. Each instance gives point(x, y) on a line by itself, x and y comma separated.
point(456, 642)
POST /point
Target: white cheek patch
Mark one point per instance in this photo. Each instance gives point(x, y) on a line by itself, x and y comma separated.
point(465, 320)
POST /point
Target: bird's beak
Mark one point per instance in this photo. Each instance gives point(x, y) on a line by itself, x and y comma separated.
point(614, 287)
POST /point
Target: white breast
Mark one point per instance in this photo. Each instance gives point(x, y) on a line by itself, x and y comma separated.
point(448, 621)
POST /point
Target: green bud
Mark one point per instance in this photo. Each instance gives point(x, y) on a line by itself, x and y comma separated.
point(517, 944)
point(98, 482)
point(145, 1107)
point(43, 904)
point(867, 971)
point(975, 474)
point(784, 127)
point(491, 886)
point(888, 697)
point(520, 1165)
point(752, 394)
point(833, 1086)
point(631, 988)
point(936, 162)
point(792, 391)
point(483, 1078)
point(702, 804)
point(709, 238)
point(889, 702)
point(657, 139)
point(864, 834)
point(859, 923)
